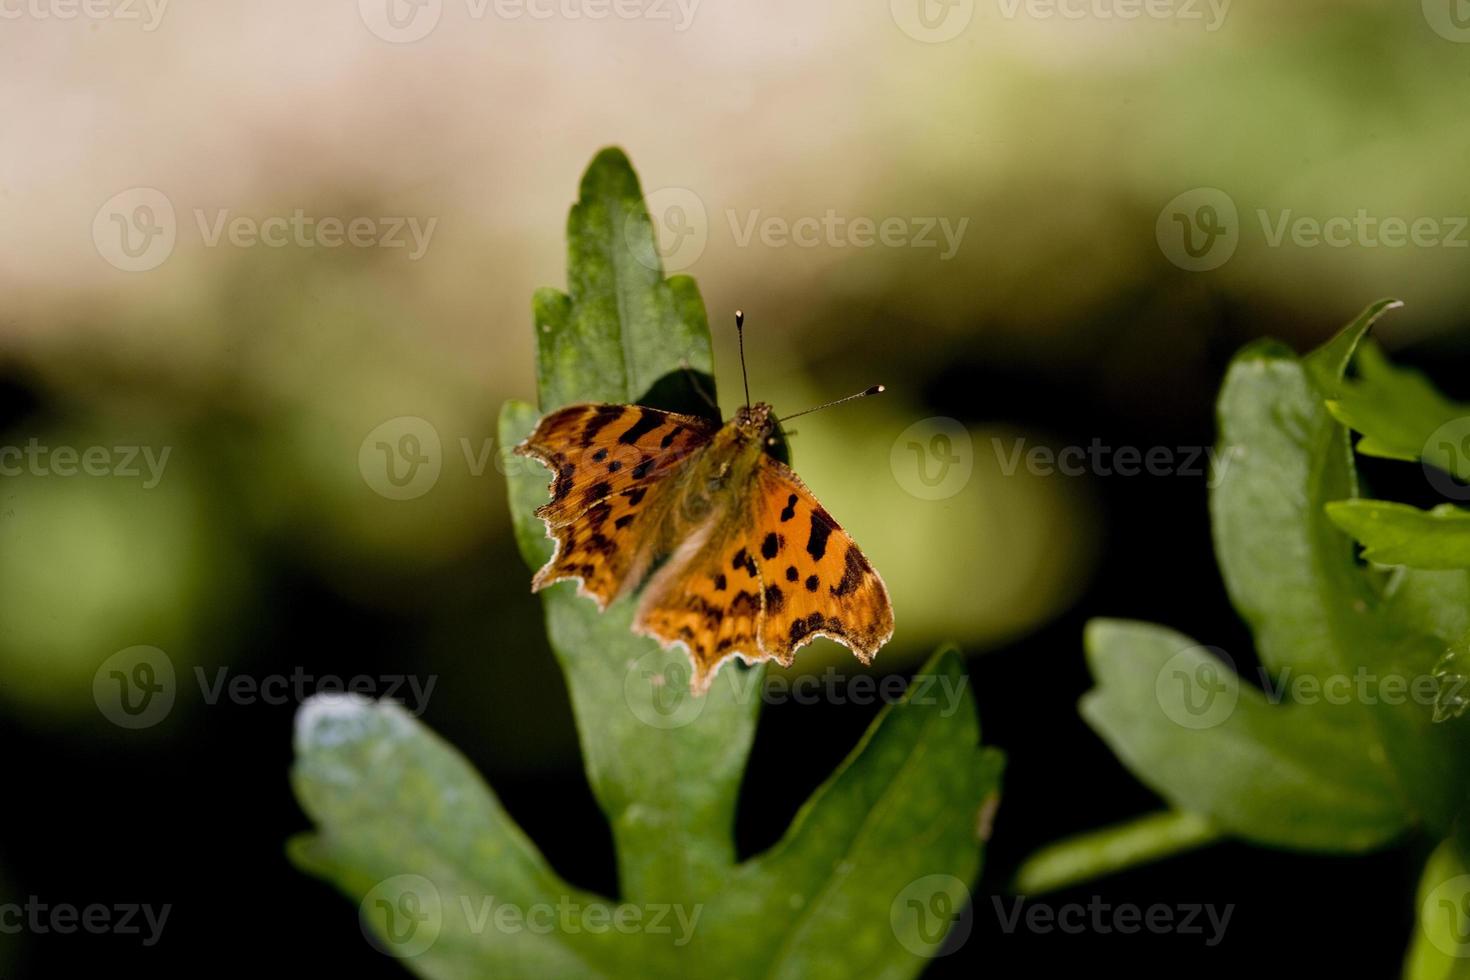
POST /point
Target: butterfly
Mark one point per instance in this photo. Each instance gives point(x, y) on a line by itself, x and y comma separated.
point(734, 555)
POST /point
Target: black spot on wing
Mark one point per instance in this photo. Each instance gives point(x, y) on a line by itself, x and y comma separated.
point(789, 511)
point(635, 495)
point(647, 422)
point(812, 582)
point(562, 485)
point(597, 491)
point(816, 543)
point(791, 575)
point(602, 417)
point(644, 465)
point(854, 568)
point(775, 599)
point(771, 546)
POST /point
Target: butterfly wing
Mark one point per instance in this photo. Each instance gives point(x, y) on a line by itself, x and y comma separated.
point(612, 466)
point(708, 596)
point(817, 581)
point(765, 578)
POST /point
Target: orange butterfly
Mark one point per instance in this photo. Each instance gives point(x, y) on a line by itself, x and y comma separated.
point(756, 567)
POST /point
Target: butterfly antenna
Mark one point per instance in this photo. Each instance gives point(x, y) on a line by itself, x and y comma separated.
point(875, 390)
point(740, 333)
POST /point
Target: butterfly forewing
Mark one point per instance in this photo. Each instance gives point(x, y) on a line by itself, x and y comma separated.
point(612, 468)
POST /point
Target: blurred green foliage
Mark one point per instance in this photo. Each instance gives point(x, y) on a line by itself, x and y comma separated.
point(1338, 749)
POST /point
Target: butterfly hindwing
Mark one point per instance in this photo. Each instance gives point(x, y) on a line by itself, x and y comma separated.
point(612, 466)
point(708, 597)
point(765, 578)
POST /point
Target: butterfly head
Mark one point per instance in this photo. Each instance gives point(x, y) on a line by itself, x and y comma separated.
point(756, 422)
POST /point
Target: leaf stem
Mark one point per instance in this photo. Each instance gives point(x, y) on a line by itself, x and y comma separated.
point(1112, 849)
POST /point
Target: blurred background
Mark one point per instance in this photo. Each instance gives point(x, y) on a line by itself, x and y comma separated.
point(238, 239)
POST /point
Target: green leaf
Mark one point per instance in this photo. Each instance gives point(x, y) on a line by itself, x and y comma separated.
point(1087, 856)
point(621, 328)
point(1182, 721)
point(1398, 411)
point(620, 331)
point(1337, 749)
point(902, 819)
point(1440, 948)
point(406, 827)
point(1290, 572)
point(1397, 534)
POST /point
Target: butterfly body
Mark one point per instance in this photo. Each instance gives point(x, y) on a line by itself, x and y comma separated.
point(734, 556)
